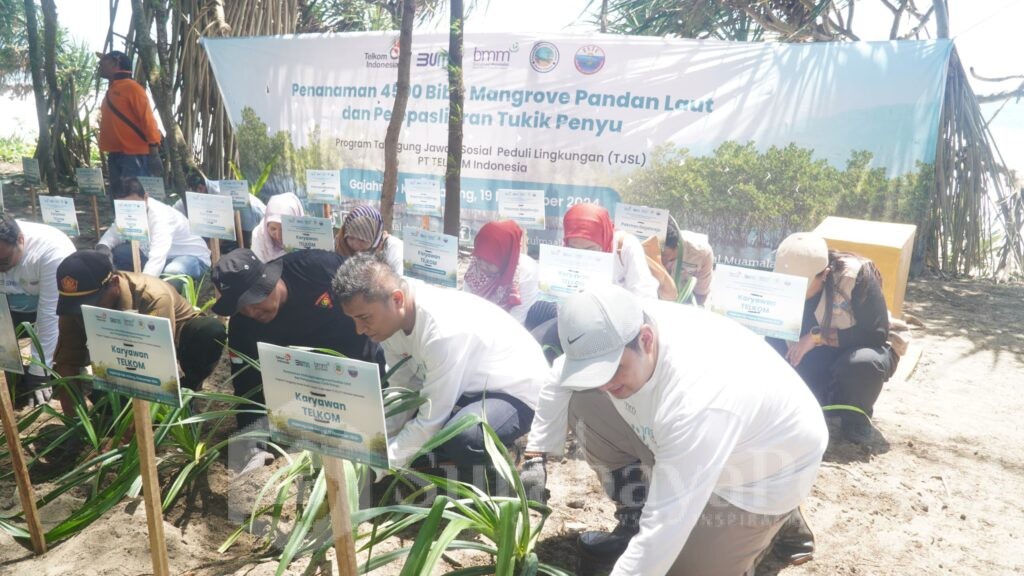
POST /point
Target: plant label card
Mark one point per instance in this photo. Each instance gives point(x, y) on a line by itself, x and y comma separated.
point(526, 207)
point(324, 186)
point(642, 221)
point(305, 232)
point(565, 271)
point(325, 403)
point(30, 166)
point(10, 352)
point(132, 354)
point(132, 220)
point(238, 190)
point(154, 187)
point(90, 181)
point(422, 196)
point(210, 215)
point(59, 212)
point(431, 256)
point(767, 303)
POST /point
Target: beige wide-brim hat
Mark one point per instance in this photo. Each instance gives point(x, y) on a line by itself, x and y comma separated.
point(803, 254)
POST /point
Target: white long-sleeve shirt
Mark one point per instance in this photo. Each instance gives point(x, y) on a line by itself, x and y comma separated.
point(32, 284)
point(723, 413)
point(460, 344)
point(169, 237)
point(630, 268)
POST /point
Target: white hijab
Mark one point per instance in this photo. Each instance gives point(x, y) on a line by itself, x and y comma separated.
point(262, 244)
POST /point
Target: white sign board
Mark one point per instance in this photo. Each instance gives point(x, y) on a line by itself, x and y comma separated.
point(325, 403)
point(526, 207)
point(154, 186)
point(90, 181)
point(10, 352)
point(59, 212)
point(131, 219)
point(210, 215)
point(238, 190)
point(565, 271)
point(641, 221)
point(422, 196)
point(306, 232)
point(767, 303)
point(324, 186)
point(30, 166)
point(132, 354)
point(431, 257)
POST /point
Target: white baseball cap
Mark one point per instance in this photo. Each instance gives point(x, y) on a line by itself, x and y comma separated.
point(594, 327)
point(803, 254)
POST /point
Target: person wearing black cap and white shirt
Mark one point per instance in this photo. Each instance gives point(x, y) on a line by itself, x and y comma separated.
point(88, 277)
point(286, 302)
point(466, 356)
point(732, 446)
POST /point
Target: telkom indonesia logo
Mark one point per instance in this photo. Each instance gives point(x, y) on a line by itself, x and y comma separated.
point(396, 47)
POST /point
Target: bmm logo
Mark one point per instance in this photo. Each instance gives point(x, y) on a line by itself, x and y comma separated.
point(544, 57)
point(494, 58)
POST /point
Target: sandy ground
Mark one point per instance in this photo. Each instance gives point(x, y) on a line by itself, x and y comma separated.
point(941, 491)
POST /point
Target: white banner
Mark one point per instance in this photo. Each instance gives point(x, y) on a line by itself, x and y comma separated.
point(325, 403)
point(769, 304)
point(59, 212)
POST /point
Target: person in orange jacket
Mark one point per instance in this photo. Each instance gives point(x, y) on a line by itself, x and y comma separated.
point(128, 130)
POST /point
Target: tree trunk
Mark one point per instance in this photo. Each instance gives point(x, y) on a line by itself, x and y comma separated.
point(53, 94)
point(35, 58)
point(456, 95)
point(390, 185)
point(941, 18)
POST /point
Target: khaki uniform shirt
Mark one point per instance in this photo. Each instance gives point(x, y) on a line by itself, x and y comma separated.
point(139, 293)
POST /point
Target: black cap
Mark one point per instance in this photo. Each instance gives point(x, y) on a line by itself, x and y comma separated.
point(122, 59)
point(80, 280)
point(242, 279)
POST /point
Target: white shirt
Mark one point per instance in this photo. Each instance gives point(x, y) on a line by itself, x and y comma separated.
point(529, 288)
point(169, 237)
point(460, 344)
point(394, 250)
point(630, 268)
point(32, 284)
point(723, 413)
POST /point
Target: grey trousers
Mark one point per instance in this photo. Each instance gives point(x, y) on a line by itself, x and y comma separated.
point(726, 541)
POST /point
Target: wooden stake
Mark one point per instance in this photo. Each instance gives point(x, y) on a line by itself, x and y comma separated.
point(136, 257)
point(214, 251)
point(150, 487)
point(238, 229)
point(327, 211)
point(341, 520)
point(26, 492)
point(95, 216)
point(32, 200)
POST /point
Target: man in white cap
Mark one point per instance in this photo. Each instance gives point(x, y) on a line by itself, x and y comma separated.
point(729, 436)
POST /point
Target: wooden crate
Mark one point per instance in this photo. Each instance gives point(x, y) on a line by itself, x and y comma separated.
point(888, 245)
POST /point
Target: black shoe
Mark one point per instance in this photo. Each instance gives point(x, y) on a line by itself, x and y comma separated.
point(794, 543)
point(600, 548)
point(857, 429)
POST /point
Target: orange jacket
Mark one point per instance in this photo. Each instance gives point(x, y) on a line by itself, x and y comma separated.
point(116, 136)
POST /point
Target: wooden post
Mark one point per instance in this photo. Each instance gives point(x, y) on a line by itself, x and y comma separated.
point(147, 465)
point(150, 487)
point(214, 251)
point(341, 520)
point(95, 216)
point(238, 229)
point(26, 492)
point(327, 211)
point(32, 200)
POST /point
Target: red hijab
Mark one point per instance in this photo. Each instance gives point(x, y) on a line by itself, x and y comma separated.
point(497, 243)
point(590, 222)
